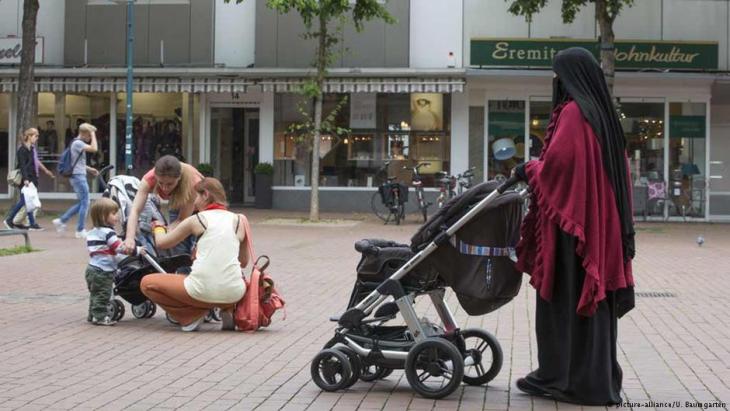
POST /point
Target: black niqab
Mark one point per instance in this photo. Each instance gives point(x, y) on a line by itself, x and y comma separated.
point(580, 76)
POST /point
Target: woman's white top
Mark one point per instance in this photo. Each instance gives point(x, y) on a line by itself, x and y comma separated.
point(216, 272)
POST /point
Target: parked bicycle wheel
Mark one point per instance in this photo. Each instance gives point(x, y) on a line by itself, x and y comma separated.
point(380, 209)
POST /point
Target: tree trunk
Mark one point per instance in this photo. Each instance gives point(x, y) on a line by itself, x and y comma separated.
point(321, 72)
point(27, 101)
point(608, 51)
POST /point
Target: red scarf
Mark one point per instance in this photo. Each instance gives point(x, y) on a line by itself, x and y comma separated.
point(215, 206)
point(572, 193)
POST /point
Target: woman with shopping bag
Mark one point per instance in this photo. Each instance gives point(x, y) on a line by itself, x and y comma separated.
point(26, 165)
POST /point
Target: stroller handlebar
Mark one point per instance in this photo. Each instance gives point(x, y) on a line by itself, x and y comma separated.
point(508, 184)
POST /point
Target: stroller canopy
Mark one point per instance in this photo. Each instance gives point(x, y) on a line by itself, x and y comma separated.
point(478, 263)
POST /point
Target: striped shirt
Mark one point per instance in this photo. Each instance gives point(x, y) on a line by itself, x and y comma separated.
point(104, 248)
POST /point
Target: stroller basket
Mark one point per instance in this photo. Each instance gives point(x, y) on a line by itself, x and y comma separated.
point(133, 269)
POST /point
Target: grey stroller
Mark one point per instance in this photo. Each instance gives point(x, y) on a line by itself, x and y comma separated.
point(467, 245)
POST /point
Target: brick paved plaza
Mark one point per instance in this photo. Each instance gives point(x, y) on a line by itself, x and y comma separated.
point(672, 348)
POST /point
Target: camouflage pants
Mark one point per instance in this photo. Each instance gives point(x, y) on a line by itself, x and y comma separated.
point(100, 285)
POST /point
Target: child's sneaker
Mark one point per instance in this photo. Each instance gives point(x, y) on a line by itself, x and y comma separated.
point(81, 234)
point(35, 227)
point(105, 321)
point(60, 226)
point(9, 224)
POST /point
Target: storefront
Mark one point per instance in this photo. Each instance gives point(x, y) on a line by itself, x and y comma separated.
point(665, 117)
point(233, 121)
point(387, 125)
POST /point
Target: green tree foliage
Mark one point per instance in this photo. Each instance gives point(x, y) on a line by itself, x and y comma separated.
point(317, 16)
point(606, 12)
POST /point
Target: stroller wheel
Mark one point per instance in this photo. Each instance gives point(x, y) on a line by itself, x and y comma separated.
point(171, 320)
point(371, 373)
point(434, 368)
point(116, 309)
point(152, 310)
point(355, 366)
point(485, 351)
point(331, 370)
point(140, 310)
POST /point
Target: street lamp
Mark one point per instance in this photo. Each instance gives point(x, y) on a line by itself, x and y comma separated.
point(129, 142)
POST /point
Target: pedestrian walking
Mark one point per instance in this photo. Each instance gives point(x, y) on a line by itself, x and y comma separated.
point(578, 239)
point(25, 160)
point(84, 143)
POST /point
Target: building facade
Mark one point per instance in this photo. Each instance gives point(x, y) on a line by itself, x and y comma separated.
point(454, 84)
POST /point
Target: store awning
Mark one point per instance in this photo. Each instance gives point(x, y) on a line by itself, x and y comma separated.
point(372, 85)
point(141, 85)
point(231, 84)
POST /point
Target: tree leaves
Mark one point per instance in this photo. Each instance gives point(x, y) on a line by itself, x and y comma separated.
point(568, 8)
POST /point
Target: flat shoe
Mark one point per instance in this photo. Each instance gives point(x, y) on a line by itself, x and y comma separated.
point(530, 389)
point(193, 326)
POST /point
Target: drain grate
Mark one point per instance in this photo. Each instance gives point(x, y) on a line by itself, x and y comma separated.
point(655, 294)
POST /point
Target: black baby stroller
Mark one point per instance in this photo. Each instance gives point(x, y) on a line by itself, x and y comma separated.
point(122, 189)
point(468, 245)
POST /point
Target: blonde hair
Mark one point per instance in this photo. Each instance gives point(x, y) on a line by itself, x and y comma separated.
point(100, 211)
point(87, 128)
point(29, 132)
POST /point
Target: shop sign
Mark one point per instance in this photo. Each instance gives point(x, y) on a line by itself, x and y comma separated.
point(11, 48)
point(687, 126)
point(629, 54)
point(362, 110)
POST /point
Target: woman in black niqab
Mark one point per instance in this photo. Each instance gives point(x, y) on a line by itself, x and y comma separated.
point(577, 354)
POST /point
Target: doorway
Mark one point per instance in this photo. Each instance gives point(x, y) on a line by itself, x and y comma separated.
point(234, 145)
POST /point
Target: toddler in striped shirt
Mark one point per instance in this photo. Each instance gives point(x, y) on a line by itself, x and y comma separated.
point(106, 249)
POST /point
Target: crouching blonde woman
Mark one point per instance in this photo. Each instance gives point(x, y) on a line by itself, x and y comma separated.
point(215, 279)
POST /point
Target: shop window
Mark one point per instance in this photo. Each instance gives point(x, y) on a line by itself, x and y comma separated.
point(157, 129)
point(4, 141)
point(687, 151)
point(59, 116)
point(404, 129)
point(643, 126)
point(505, 137)
point(540, 112)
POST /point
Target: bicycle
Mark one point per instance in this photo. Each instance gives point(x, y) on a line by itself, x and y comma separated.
point(418, 185)
point(448, 184)
point(389, 201)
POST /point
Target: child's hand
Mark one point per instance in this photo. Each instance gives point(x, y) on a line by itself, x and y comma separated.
point(141, 251)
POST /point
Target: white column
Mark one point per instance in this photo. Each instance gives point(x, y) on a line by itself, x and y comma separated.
point(189, 133)
point(113, 133)
point(203, 136)
point(266, 129)
point(459, 131)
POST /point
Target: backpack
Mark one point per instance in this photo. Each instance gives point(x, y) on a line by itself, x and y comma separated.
point(262, 299)
point(65, 168)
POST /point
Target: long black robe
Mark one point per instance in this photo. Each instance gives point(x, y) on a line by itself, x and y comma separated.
point(576, 354)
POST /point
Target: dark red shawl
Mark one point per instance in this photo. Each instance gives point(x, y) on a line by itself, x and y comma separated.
point(572, 193)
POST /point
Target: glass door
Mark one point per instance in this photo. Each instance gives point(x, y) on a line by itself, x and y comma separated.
point(505, 145)
point(719, 181)
point(687, 159)
point(251, 157)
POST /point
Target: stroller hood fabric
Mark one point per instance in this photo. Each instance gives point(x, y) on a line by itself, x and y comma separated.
point(477, 264)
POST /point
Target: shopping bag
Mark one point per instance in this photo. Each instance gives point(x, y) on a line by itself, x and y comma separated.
point(30, 194)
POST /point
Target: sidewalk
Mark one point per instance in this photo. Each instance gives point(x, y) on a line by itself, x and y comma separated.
point(675, 346)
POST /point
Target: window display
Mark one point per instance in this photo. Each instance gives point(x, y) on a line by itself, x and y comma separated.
point(506, 132)
point(59, 116)
point(687, 150)
point(379, 132)
point(643, 125)
point(157, 128)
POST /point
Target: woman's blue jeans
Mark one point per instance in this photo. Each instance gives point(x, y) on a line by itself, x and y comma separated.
point(16, 208)
point(81, 188)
